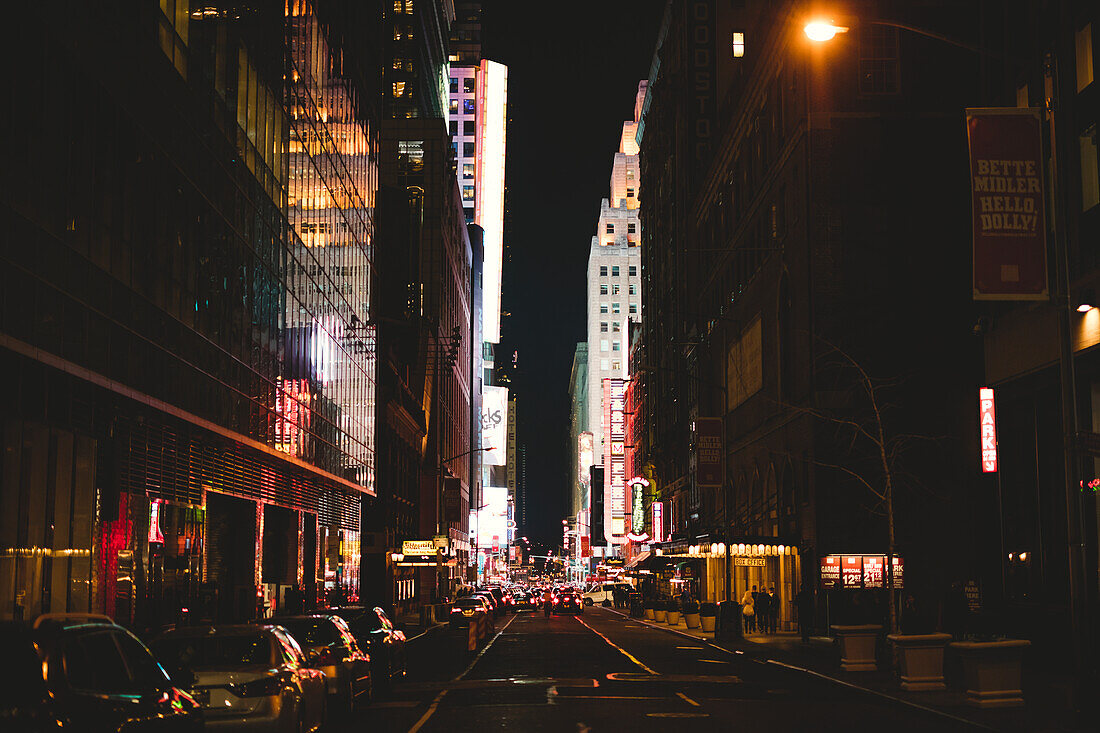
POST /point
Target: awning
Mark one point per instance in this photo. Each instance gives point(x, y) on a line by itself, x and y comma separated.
point(640, 557)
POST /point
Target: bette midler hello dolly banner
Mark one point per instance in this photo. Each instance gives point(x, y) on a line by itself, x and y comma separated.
point(1006, 188)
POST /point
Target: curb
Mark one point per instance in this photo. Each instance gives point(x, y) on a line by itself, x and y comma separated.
point(821, 675)
point(425, 632)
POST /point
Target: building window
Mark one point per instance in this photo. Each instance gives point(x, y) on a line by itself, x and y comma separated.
point(603, 307)
point(454, 106)
point(615, 327)
point(469, 214)
point(737, 44)
point(878, 59)
point(452, 127)
point(1090, 174)
point(630, 174)
point(467, 170)
point(614, 289)
point(633, 290)
point(468, 84)
point(610, 228)
point(614, 271)
point(633, 308)
point(603, 290)
point(631, 228)
point(603, 270)
point(468, 107)
point(454, 85)
point(603, 327)
point(467, 193)
point(630, 193)
point(633, 270)
point(616, 365)
point(604, 364)
point(468, 127)
point(1083, 42)
point(469, 150)
point(614, 307)
point(616, 346)
point(603, 344)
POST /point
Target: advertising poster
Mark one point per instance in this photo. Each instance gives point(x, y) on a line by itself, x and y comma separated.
point(492, 524)
point(708, 452)
point(851, 571)
point(873, 571)
point(494, 425)
point(1009, 217)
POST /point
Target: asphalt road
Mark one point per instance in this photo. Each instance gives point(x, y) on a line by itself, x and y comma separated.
point(602, 672)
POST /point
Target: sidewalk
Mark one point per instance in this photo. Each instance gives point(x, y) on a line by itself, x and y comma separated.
point(413, 629)
point(1043, 712)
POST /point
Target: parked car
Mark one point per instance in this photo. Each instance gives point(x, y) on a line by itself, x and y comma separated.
point(246, 677)
point(604, 592)
point(378, 637)
point(567, 601)
point(331, 647)
point(82, 672)
point(464, 609)
point(489, 599)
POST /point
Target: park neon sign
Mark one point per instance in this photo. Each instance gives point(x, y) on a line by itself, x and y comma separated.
point(988, 423)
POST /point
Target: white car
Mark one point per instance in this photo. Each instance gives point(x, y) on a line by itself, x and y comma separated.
point(246, 677)
point(601, 592)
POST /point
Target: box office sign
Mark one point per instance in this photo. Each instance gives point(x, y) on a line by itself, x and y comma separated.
point(1009, 217)
point(859, 571)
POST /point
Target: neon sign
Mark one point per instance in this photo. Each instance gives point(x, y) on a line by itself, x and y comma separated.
point(657, 521)
point(988, 430)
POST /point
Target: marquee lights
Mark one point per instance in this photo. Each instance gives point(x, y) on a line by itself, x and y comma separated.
point(988, 422)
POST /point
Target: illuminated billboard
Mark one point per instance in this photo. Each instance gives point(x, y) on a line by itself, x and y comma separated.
point(494, 425)
point(988, 421)
point(492, 519)
point(615, 504)
point(492, 128)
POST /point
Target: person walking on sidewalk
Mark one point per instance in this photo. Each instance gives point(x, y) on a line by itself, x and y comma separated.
point(748, 610)
point(804, 603)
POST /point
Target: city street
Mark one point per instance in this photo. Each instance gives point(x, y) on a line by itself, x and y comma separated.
point(601, 671)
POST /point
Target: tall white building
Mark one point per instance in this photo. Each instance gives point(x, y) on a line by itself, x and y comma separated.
point(614, 285)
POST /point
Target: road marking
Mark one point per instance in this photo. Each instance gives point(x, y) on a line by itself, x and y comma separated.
point(684, 697)
point(624, 652)
point(714, 661)
point(435, 703)
point(696, 648)
point(677, 715)
point(674, 678)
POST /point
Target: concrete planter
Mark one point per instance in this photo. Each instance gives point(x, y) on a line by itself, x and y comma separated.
point(857, 647)
point(707, 622)
point(920, 660)
point(692, 620)
point(992, 671)
point(659, 615)
point(648, 613)
point(673, 617)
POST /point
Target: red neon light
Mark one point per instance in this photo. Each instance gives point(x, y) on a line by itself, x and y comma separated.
point(988, 421)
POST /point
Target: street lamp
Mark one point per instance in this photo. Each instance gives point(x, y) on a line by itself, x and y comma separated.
point(823, 30)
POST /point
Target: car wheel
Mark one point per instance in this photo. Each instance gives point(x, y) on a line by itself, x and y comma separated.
point(588, 601)
point(606, 604)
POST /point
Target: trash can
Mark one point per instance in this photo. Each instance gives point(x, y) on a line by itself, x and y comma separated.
point(727, 625)
point(636, 610)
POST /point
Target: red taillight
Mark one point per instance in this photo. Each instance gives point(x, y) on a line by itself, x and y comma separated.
point(555, 601)
point(324, 657)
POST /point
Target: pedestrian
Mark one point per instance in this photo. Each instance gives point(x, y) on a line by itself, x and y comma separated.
point(804, 603)
point(773, 610)
point(760, 603)
point(748, 610)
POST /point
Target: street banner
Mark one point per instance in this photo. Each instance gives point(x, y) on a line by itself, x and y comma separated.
point(1009, 216)
point(708, 452)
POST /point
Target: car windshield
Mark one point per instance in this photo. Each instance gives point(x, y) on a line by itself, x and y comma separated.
point(217, 650)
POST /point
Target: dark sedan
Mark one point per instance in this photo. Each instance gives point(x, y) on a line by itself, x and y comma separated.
point(384, 642)
point(567, 601)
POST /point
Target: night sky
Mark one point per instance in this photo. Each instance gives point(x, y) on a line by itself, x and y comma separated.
point(573, 71)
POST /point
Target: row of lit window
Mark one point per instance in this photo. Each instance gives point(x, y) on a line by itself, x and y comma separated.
point(613, 364)
point(616, 345)
point(632, 271)
point(617, 308)
point(616, 326)
point(468, 85)
point(468, 127)
point(631, 227)
point(632, 289)
point(469, 107)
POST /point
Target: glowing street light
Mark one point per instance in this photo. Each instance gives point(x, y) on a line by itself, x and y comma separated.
point(823, 30)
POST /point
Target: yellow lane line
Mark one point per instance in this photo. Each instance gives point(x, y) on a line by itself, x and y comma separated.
point(686, 699)
point(624, 652)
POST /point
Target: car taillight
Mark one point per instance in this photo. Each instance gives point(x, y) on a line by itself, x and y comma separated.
point(555, 601)
point(324, 657)
point(263, 687)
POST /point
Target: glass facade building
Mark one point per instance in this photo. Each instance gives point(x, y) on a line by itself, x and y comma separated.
point(185, 328)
